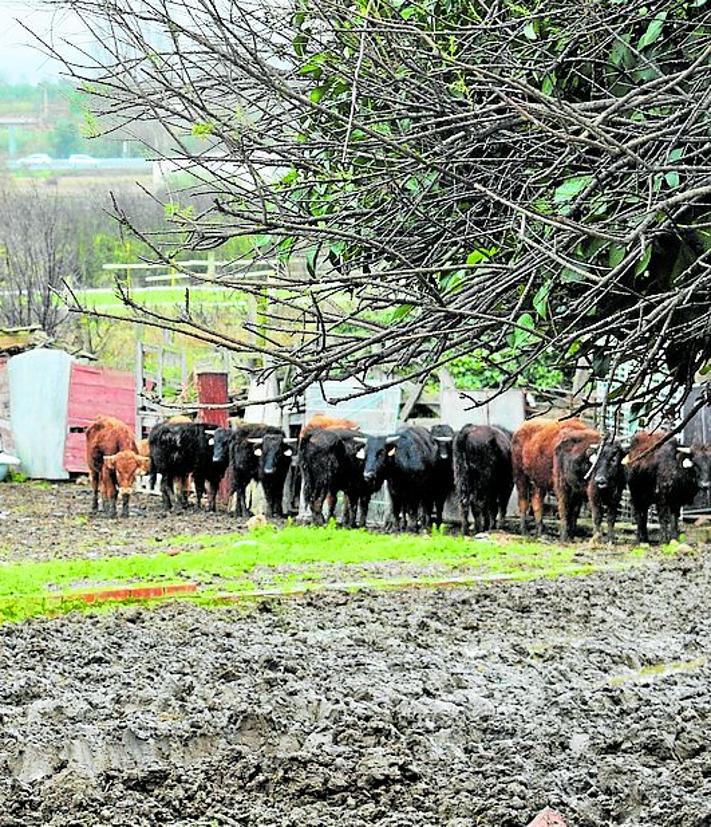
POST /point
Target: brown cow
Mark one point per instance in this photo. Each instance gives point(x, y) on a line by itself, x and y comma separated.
point(322, 420)
point(588, 467)
point(106, 437)
point(532, 451)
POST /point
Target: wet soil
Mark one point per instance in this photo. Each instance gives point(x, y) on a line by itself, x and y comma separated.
point(46, 521)
point(459, 707)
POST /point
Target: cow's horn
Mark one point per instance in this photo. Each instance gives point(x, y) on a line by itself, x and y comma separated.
point(255, 440)
point(290, 440)
point(361, 439)
point(444, 438)
point(682, 449)
point(393, 438)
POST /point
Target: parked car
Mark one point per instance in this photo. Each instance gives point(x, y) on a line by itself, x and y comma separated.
point(81, 160)
point(37, 159)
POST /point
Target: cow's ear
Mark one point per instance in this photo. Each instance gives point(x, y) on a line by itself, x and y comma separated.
point(391, 450)
point(625, 459)
point(144, 464)
point(110, 461)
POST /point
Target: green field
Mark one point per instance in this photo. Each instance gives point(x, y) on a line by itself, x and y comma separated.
point(107, 299)
point(295, 558)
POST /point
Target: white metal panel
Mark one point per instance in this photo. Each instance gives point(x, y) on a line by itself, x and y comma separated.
point(39, 395)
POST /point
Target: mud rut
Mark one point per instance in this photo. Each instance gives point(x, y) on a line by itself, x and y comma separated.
point(457, 708)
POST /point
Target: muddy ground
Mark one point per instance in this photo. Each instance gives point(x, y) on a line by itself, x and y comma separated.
point(45, 520)
point(467, 707)
point(464, 707)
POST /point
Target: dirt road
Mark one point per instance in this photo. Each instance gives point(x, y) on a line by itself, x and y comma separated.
point(456, 708)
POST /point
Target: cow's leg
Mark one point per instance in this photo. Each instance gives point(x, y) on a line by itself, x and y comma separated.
point(94, 479)
point(331, 500)
point(640, 516)
point(364, 506)
point(212, 498)
point(124, 504)
point(503, 500)
point(317, 508)
point(674, 513)
point(166, 486)
point(666, 522)
point(199, 490)
point(611, 520)
point(394, 522)
point(524, 502)
point(596, 513)
point(464, 514)
point(350, 507)
point(110, 491)
point(537, 506)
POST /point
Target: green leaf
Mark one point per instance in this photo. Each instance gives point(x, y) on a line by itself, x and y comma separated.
point(615, 254)
point(548, 84)
point(529, 30)
point(311, 261)
point(401, 312)
point(672, 178)
point(653, 31)
point(299, 44)
point(481, 255)
point(571, 187)
point(317, 93)
point(540, 300)
point(521, 337)
point(643, 263)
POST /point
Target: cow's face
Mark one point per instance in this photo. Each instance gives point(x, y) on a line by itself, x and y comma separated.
point(274, 451)
point(377, 452)
point(221, 444)
point(127, 465)
point(606, 462)
point(702, 460)
point(443, 437)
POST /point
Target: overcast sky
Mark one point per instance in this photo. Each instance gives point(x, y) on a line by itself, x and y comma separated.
point(20, 58)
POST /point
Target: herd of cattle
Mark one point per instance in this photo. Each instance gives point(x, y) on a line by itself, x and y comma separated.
point(420, 467)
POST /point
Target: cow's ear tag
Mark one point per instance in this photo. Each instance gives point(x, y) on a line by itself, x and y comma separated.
point(257, 452)
point(688, 463)
point(391, 451)
point(361, 454)
point(593, 459)
point(288, 452)
point(626, 460)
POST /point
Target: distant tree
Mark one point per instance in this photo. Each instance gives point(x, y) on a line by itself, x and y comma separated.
point(37, 255)
point(65, 138)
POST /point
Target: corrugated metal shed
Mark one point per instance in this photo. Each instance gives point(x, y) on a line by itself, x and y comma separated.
point(94, 391)
point(39, 392)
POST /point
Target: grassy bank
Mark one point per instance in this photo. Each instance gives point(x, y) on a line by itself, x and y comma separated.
point(293, 558)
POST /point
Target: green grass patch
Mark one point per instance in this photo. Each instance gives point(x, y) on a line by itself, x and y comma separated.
point(288, 559)
point(161, 296)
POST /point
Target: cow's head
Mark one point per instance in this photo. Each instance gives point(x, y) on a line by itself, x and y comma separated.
point(377, 452)
point(701, 455)
point(444, 447)
point(126, 465)
point(605, 459)
point(220, 440)
point(274, 451)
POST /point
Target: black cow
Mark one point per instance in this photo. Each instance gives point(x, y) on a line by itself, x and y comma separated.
point(668, 476)
point(275, 452)
point(443, 482)
point(180, 449)
point(245, 453)
point(483, 474)
point(406, 460)
point(588, 466)
point(332, 460)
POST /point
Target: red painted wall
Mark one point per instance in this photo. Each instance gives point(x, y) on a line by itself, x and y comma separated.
point(212, 388)
point(94, 391)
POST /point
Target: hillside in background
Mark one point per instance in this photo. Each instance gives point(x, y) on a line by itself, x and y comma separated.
point(51, 118)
